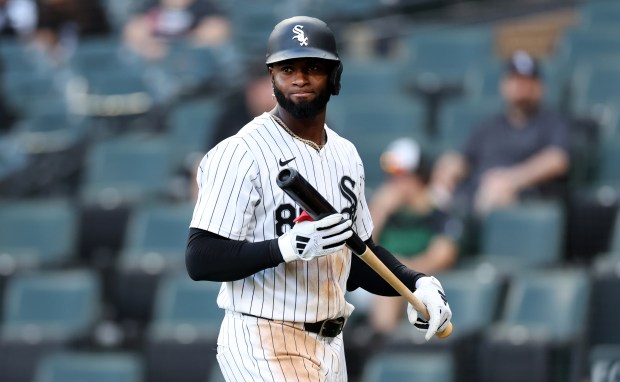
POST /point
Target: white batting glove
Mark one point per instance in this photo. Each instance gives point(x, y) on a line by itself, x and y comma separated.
point(430, 292)
point(310, 239)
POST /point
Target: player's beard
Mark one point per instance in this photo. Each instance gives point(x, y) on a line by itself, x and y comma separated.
point(303, 109)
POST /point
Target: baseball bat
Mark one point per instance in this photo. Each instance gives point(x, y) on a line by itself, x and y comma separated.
point(302, 192)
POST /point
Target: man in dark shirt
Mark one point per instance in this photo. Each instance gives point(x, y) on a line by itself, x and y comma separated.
point(521, 153)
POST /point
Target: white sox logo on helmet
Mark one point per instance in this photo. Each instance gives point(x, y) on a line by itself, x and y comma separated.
point(300, 35)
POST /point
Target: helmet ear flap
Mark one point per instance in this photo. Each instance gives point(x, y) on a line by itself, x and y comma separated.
point(334, 78)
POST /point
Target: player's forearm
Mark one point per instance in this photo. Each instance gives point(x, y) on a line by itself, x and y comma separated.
point(211, 257)
point(362, 275)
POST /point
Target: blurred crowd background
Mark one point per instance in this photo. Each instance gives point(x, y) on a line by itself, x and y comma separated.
point(107, 105)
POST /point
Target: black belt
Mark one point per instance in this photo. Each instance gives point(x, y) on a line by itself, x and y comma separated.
point(325, 328)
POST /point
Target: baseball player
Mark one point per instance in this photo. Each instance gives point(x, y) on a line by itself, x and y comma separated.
point(285, 276)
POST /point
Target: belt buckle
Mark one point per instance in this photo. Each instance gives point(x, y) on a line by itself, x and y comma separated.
point(331, 328)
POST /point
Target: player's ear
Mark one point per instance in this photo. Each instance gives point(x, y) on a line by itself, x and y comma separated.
point(334, 78)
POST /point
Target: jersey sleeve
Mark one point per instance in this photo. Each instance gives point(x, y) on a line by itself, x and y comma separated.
point(226, 192)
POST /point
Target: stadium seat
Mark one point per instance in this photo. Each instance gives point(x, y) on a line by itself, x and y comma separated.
point(89, 366)
point(375, 76)
point(608, 163)
point(18, 57)
point(126, 170)
point(190, 127)
point(262, 16)
point(36, 233)
point(372, 123)
point(604, 314)
point(614, 243)
point(539, 336)
point(594, 85)
point(216, 375)
point(48, 127)
point(119, 174)
point(582, 45)
point(155, 241)
point(599, 14)
point(44, 312)
point(100, 54)
point(604, 363)
point(22, 89)
point(444, 56)
point(436, 367)
point(591, 211)
point(181, 339)
point(58, 305)
point(527, 235)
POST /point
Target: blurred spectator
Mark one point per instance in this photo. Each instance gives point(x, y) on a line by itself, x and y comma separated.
point(521, 153)
point(252, 99)
point(409, 225)
point(62, 22)
point(198, 22)
point(18, 17)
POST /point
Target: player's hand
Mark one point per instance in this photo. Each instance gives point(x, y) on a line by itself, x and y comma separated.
point(430, 292)
point(310, 239)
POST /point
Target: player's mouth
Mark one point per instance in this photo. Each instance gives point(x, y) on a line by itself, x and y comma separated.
point(301, 94)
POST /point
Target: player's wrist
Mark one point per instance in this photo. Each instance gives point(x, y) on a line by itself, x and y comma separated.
point(286, 249)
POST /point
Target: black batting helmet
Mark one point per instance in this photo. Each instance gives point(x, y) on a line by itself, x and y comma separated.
point(305, 37)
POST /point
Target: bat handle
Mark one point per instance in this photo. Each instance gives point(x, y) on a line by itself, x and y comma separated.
point(373, 261)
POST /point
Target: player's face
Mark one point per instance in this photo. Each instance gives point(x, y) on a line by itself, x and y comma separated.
point(301, 86)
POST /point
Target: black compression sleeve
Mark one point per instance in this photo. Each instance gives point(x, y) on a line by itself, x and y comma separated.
point(215, 258)
point(362, 276)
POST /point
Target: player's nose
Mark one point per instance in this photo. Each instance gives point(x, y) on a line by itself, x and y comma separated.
point(300, 78)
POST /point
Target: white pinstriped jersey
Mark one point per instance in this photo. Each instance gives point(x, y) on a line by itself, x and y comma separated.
point(239, 199)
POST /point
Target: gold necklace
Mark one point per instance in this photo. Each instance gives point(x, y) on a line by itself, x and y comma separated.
point(306, 141)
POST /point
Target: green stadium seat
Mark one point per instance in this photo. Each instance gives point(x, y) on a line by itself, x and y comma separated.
point(81, 366)
point(594, 86)
point(444, 56)
point(181, 340)
point(608, 163)
point(45, 312)
point(157, 234)
point(540, 331)
point(528, 235)
point(597, 14)
point(373, 76)
point(36, 233)
point(126, 170)
point(436, 367)
point(155, 241)
point(372, 123)
point(190, 127)
point(604, 361)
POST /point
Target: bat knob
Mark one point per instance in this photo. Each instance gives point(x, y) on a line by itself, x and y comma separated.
point(446, 332)
point(285, 176)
